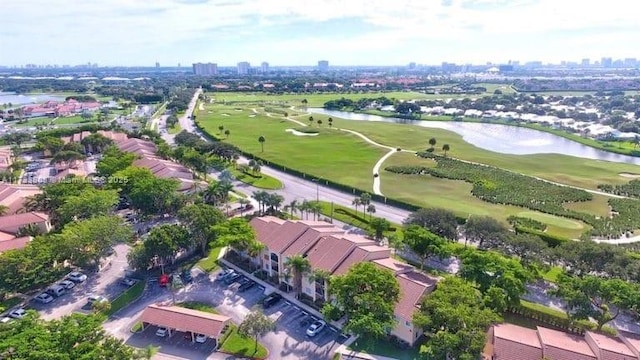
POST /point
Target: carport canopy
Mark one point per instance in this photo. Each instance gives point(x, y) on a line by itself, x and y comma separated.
point(183, 319)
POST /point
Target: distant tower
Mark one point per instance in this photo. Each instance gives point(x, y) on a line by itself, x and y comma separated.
point(243, 68)
point(207, 69)
point(323, 65)
point(157, 65)
point(264, 67)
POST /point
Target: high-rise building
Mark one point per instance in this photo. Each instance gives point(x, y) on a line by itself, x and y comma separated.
point(157, 64)
point(264, 67)
point(412, 65)
point(606, 62)
point(323, 65)
point(207, 69)
point(243, 68)
point(585, 62)
point(630, 62)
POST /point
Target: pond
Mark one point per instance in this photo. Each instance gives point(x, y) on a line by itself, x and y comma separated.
point(20, 99)
point(499, 138)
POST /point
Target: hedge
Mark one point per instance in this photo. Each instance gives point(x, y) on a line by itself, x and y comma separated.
point(551, 240)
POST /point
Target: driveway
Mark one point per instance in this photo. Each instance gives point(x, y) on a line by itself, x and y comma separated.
point(103, 282)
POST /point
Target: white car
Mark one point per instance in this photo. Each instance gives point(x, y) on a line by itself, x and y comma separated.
point(44, 298)
point(96, 298)
point(201, 338)
point(162, 332)
point(224, 273)
point(315, 328)
point(77, 277)
point(67, 284)
point(18, 313)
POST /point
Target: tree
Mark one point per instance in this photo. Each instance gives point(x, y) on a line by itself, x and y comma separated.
point(161, 246)
point(67, 157)
point(96, 143)
point(379, 226)
point(371, 209)
point(199, 218)
point(481, 229)
point(292, 207)
point(356, 202)
point(310, 120)
point(75, 336)
point(220, 128)
point(432, 142)
point(425, 243)
point(256, 324)
point(489, 269)
point(87, 204)
point(592, 297)
point(368, 295)
point(330, 120)
point(227, 133)
point(234, 232)
point(319, 122)
point(114, 160)
point(446, 148)
point(261, 140)
point(439, 221)
point(49, 143)
point(458, 319)
point(298, 266)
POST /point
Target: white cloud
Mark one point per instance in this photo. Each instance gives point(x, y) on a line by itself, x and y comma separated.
point(79, 29)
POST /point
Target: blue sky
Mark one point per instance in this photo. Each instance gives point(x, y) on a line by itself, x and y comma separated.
point(301, 32)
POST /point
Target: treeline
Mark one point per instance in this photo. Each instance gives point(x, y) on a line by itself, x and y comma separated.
point(586, 84)
point(360, 104)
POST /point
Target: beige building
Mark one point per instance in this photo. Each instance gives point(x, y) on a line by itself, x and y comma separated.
point(333, 251)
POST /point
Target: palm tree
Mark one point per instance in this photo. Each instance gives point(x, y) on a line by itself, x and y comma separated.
point(371, 209)
point(446, 148)
point(319, 122)
point(356, 202)
point(243, 202)
point(432, 142)
point(310, 120)
point(292, 206)
point(299, 266)
point(320, 277)
point(227, 133)
point(330, 122)
point(254, 250)
point(261, 140)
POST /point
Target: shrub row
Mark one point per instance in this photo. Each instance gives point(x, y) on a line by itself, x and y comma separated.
point(559, 322)
point(526, 222)
point(551, 240)
point(631, 189)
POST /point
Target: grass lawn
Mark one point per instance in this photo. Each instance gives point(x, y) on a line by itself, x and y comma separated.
point(544, 309)
point(385, 348)
point(455, 195)
point(262, 181)
point(210, 263)
point(174, 129)
point(8, 303)
point(75, 119)
point(194, 305)
point(127, 297)
point(326, 155)
point(41, 121)
point(239, 345)
point(552, 274)
point(349, 216)
point(599, 206)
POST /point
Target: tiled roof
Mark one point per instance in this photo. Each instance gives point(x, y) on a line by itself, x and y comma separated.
point(631, 339)
point(511, 342)
point(516, 333)
point(308, 239)
point(12, 223)
point(394, 265)
point(183, 319)
point(410, 294)
point(560, 345)
point(277, 241)
point(358, 255)
point(328, 252)
point(618, 349)
point(14, 243)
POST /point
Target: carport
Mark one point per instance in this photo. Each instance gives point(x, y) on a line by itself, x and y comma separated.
point(183, 319)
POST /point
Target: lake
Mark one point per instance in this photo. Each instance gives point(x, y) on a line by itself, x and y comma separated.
point(14, 99)
point(499, 138)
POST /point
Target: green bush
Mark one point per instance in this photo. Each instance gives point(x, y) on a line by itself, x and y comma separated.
point(127, 297)
point(551, 240)
point(526, 223)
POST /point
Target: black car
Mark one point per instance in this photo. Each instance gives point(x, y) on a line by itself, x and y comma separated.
point(271, 300)
point(186, 276)
point(246, 286)
point(231, 279)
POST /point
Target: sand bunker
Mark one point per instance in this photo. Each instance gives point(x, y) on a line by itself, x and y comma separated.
point(299, 133)
point(225, 115)
point(629, 175)
point(252, 116)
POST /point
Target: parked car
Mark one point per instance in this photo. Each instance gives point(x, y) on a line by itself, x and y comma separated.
point(127, 282)
point(315, 328)
point(162, 332)
point(44, 298)
point(224, 273)
point(246, 286)
point(186, 276)
point(67, 284)
point(56, 290)
point(18, 313)
point(77, 277)
point(271, 300)
point(201, 338)
point(231, 279)
point(96, 298)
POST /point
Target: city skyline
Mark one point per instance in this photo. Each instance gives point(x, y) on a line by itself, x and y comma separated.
point(291, 33)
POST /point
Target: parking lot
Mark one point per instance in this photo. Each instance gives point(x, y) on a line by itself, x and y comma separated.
point(104, 282)
point(178, 344)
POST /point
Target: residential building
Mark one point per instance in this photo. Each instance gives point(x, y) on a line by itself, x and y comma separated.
point(206, 69)
point(264, 67)
point(513, 342)
point(323, 66)
point(12, 227)
point(333, 251)
point(55, 109)
point(14, 196)
point(243, 68)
